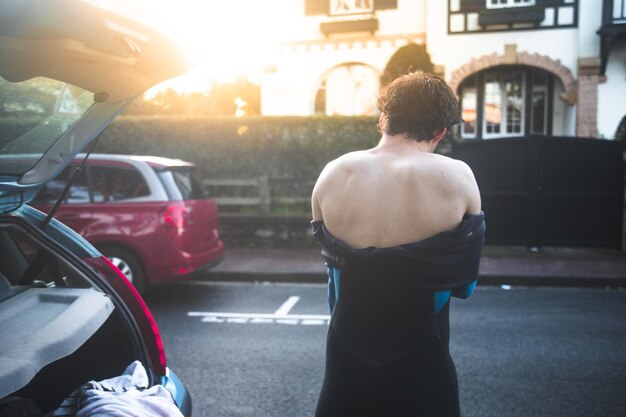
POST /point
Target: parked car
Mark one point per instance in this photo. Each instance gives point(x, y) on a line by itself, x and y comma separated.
point(148, 215)
point(67, 314)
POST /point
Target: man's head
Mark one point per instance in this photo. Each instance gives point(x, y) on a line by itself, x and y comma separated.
point(418, 105)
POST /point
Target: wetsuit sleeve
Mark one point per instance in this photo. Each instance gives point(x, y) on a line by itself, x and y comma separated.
point(465, 291)
point(331, 287)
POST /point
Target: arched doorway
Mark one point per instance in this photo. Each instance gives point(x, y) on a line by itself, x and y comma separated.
point(348, 89)
point(507, 101)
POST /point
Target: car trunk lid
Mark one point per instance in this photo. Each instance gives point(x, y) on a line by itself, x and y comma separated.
point(74, 67)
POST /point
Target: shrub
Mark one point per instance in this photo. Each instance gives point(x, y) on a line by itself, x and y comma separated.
point(229, 147)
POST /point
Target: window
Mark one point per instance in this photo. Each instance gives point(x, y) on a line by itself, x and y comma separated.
point(506, 102)
point(539, 104)
point(78, 193)
point(181, 184)
point(499, 4)
point(36, 113)
point(115, 184)
point(339, 7)
point(469, 106)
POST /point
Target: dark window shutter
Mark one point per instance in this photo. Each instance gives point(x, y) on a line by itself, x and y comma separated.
point(313, 7)
point(473, 5)
point(385, 4)
point(548, 3)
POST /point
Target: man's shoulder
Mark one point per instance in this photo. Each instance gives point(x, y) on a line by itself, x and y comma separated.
point(453, 164)
point(349, 160)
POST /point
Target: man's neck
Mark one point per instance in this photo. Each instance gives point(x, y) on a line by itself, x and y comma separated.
point(403, 144)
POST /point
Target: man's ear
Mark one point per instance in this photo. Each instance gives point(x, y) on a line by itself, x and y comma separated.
point(438, 136)
point(381, 122)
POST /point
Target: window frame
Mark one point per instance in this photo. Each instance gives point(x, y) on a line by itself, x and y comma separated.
point(530, 75)
point(352, 7)
point(504, 108)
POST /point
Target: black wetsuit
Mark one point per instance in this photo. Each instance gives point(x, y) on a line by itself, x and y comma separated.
point(387, 350)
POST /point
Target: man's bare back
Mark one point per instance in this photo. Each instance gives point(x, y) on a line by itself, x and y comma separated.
point(398, 192)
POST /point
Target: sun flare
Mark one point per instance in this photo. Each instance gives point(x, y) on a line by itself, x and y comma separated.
point(225, 40)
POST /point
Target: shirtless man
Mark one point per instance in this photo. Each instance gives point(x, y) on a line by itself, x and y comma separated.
point(399, 191)
point(389, 289)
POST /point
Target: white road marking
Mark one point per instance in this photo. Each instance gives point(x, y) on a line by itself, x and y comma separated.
point(281, 316)
point(258, 315)
point(287, 306)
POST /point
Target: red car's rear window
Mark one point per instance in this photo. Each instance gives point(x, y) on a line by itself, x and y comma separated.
point(181, 184)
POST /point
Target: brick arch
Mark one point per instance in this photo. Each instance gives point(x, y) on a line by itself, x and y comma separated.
point(533, 60)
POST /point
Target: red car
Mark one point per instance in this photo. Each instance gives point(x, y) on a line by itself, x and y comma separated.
point(148, 215)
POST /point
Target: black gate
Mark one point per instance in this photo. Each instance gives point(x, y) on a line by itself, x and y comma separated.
point(549, 191)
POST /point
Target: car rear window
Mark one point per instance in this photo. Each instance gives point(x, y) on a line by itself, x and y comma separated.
point(34, 114)
point(181, 184)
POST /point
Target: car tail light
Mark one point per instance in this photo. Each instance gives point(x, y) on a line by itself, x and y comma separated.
point(140, 311)
point(175, 216)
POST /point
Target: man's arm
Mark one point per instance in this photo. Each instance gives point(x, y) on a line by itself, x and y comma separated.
point(315, 207)
point(319, 189)
point(473, 193)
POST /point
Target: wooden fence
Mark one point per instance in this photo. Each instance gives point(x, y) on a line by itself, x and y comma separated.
point(262, 194)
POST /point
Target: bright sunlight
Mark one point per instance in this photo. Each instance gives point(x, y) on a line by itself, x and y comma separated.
point(225, 40)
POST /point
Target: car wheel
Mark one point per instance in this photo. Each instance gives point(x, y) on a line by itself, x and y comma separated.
point(129, 264)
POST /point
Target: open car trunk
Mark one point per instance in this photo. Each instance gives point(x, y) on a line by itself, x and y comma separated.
point(54, 318)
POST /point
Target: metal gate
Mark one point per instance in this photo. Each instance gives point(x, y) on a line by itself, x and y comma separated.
point(549, 191)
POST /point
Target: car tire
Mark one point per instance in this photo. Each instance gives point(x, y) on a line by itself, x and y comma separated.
point(129, 264)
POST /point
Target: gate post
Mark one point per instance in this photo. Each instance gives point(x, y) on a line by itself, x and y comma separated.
point(624, 208)
point(534, 213)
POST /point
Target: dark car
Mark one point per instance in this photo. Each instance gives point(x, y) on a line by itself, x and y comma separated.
point(68, 316)
point(148, 215)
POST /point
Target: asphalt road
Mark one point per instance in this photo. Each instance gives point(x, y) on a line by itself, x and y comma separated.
point(257, 350)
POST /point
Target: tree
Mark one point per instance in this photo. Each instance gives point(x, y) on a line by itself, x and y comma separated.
point(409, 58)
point(224, 99)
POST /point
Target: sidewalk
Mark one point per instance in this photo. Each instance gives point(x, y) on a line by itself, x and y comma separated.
point(515, 266)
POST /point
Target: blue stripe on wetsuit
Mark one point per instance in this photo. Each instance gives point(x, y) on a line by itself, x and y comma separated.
point(441, 297)
point(334, 276)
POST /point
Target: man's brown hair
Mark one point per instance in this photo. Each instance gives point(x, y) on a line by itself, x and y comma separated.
point(418, 105)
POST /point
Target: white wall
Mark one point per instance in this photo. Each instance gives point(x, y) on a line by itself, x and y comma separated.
point(409, 17)
point(612, 94)
point(589, 21)
point(455, 50)
point(290, 87)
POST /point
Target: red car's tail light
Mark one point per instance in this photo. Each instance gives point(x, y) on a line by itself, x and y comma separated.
point(139, 309)
point(175, 215)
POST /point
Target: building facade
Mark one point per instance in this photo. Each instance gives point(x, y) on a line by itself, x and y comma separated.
point(519, 67)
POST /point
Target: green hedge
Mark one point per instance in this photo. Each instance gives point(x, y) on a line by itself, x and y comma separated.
point(297, 147)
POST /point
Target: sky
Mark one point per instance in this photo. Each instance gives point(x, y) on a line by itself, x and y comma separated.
point(225, 39)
